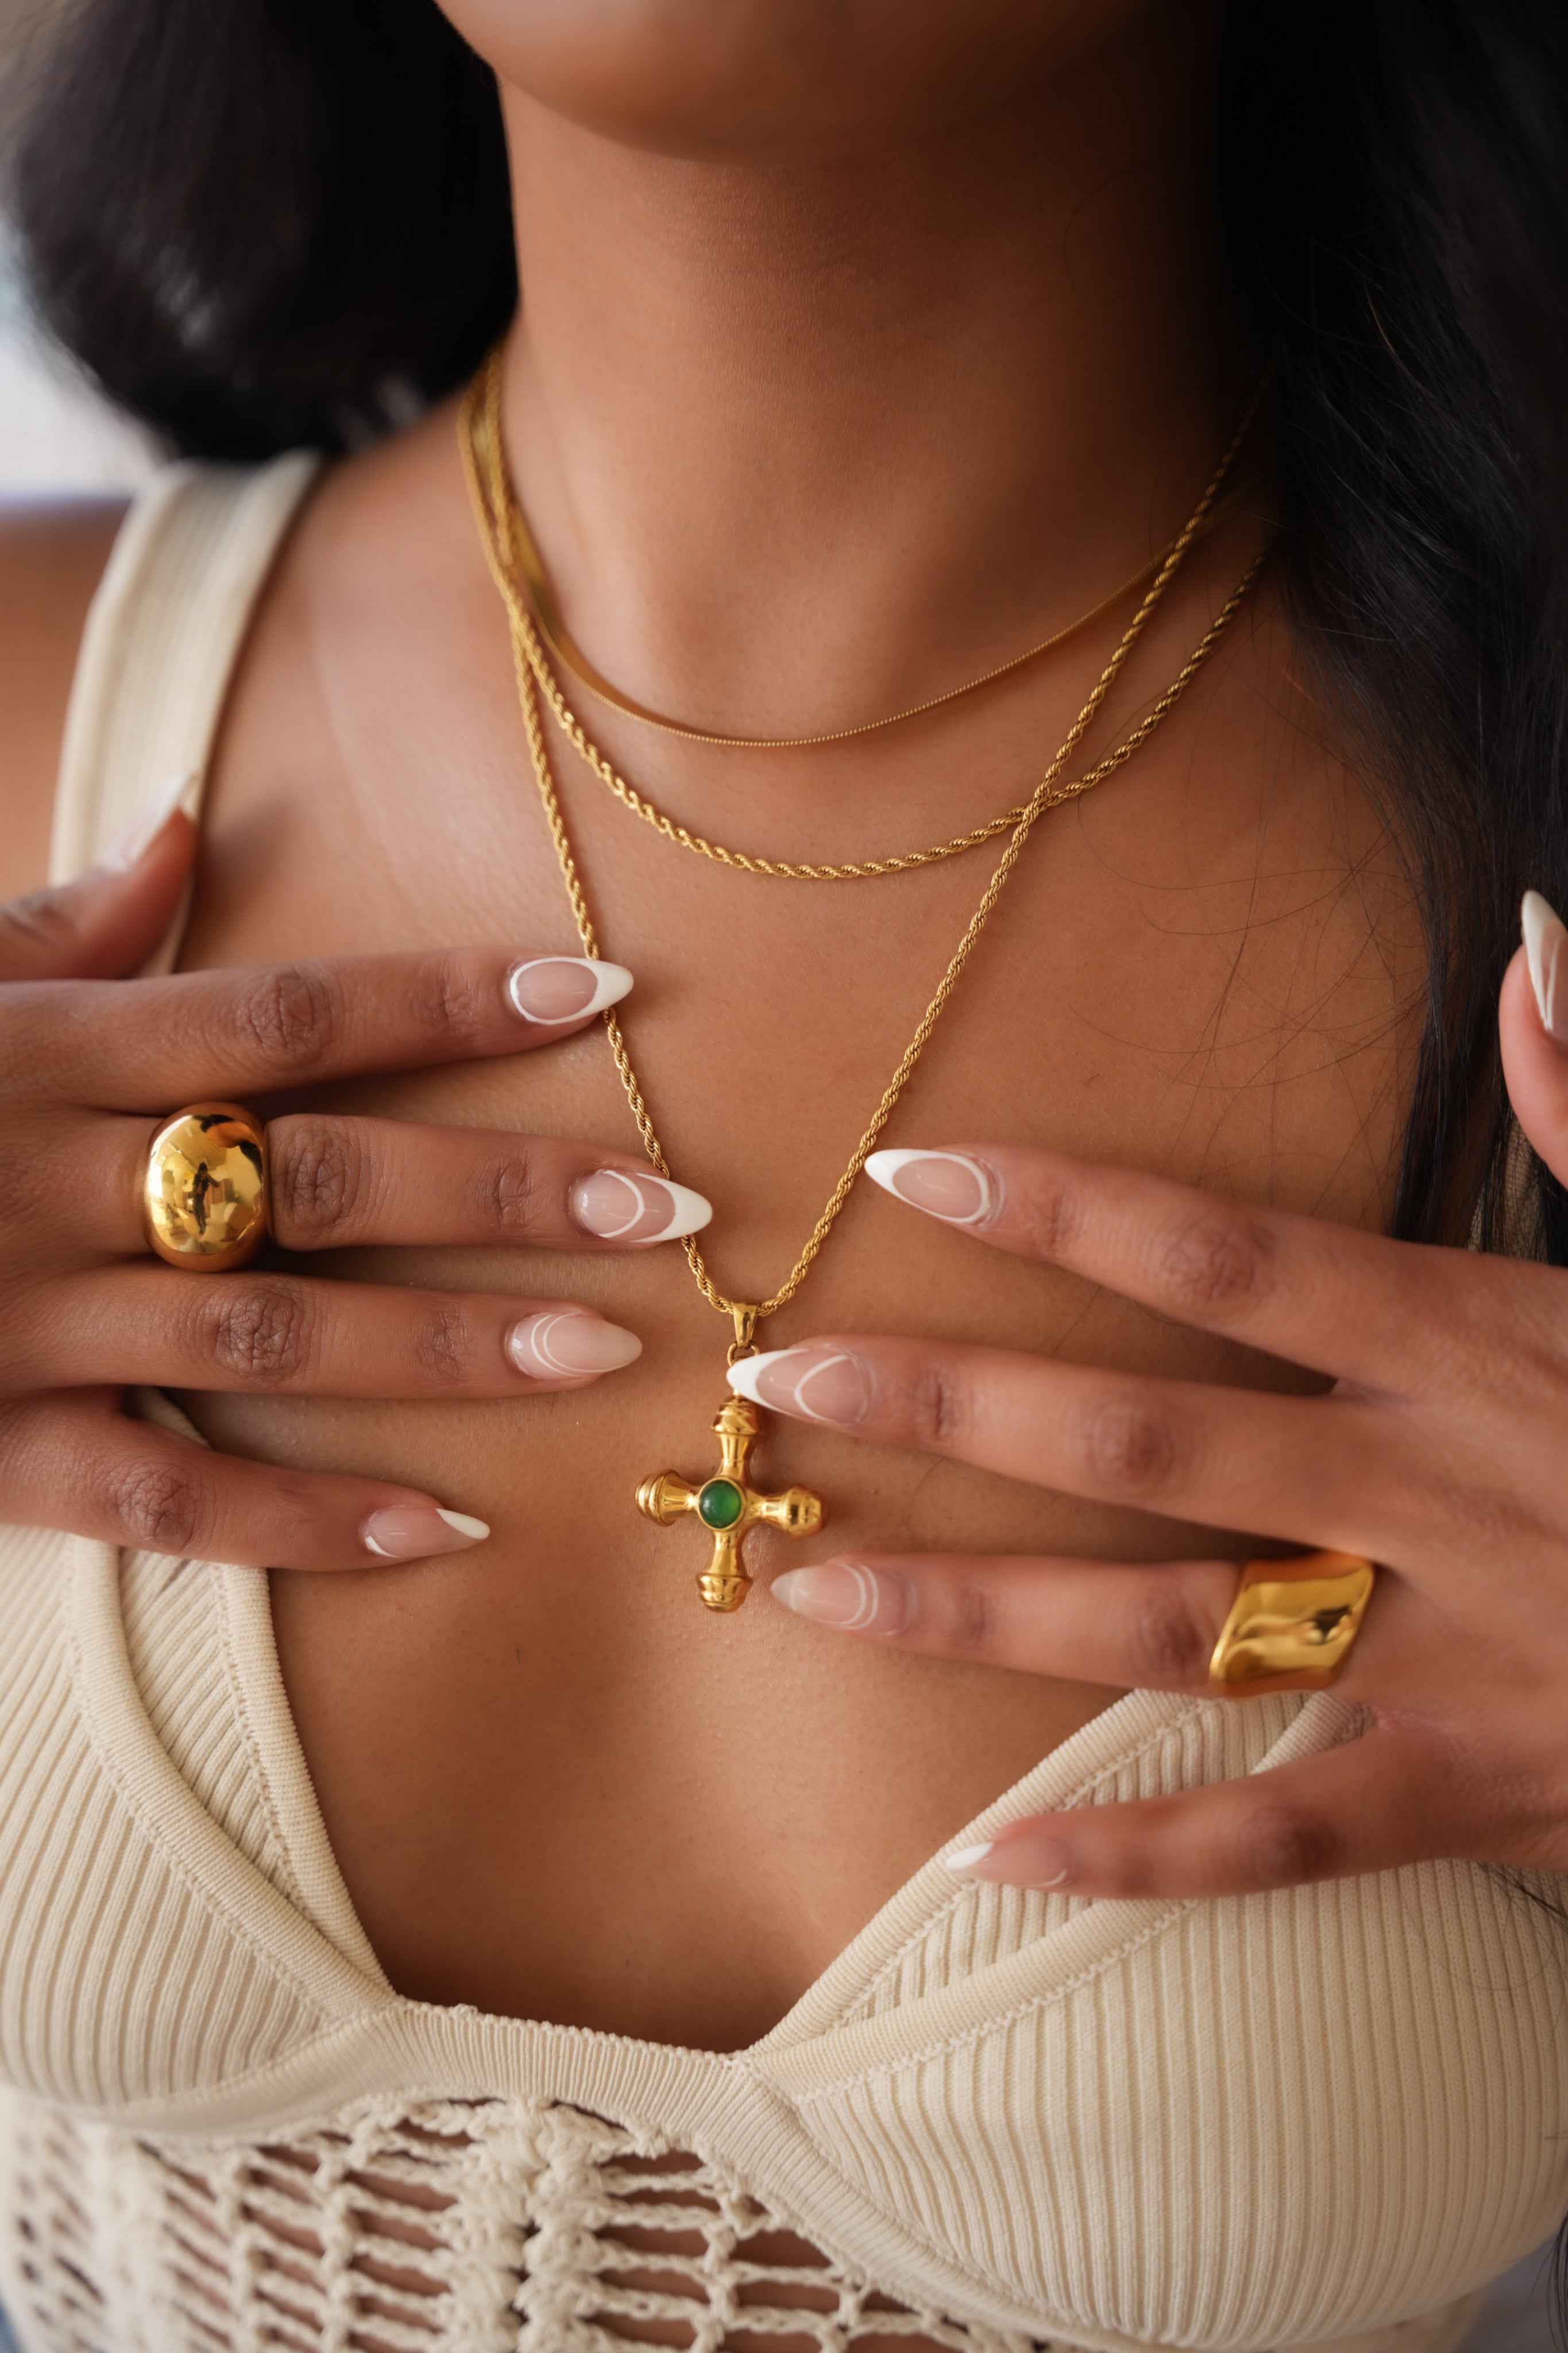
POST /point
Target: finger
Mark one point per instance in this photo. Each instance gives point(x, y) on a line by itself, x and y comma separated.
point(339, 1184)
point(284, 1335)
point(74, 1461)
point(1532, 1028)
point(1388, 1799)
point(1146, 1625)
point(109, 920)
point(1150, 1626)
point(1328, 1471)
point(1322, 1294)
point(149, 1045)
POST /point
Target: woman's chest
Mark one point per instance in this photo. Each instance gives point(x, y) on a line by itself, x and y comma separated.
point(557, 1785)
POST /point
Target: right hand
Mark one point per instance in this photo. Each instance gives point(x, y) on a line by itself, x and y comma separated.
point(90, 1062)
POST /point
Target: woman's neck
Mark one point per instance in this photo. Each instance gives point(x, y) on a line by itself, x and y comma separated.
point(802, 435)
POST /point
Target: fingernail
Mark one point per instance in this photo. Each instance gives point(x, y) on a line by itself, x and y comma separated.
point(136, 839)
point(947, 1185)
point(847, 1595)
point(565, 989)
point(1547, 957)
point(1030, 1859)
point(619, 1207)
point(565, 1340)
point(415, 1531)
point(822, 1384)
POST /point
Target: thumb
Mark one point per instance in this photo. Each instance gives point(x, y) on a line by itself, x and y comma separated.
point(106, 922)
point(1533, 1026)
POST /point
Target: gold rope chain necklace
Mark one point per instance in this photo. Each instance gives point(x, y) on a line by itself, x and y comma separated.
point(501, 526)
point(727, 1504)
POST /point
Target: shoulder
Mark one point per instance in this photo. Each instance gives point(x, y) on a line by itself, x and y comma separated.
point(52, 557)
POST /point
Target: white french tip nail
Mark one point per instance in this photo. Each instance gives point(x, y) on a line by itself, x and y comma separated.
point(615, 1205)
point(743, 1378)
point(419, 1532)
point(611, 983)
point(964, 1858)
point(689, 1211)
point(1544, 939)
point(464, 1524)
point(825, 1383)
point(149, 821)
point(568, 1344)
point(952, 1187)
point(543, 988)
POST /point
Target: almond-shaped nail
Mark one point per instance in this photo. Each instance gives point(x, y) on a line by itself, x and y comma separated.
point(947, 1185)
point(135, 840)
point(568, 1344)
point(620, 1205)
point(415, 1531)
point(848, 1596)
point(1032, 1859)
point(818, 1383)
point(1546, 954)
point(554, 989)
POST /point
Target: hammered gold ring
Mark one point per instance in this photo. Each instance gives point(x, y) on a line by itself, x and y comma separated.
point(204, 1189)
point(1291, 1624)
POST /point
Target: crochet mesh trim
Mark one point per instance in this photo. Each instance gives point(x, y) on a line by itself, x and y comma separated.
point(438, 2226)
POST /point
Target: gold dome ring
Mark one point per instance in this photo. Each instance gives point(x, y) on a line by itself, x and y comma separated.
point(204, 1189)
point(1291, 1624)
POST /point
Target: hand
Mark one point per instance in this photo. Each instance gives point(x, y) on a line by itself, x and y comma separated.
point(86, 1065)
point(1441, 1451)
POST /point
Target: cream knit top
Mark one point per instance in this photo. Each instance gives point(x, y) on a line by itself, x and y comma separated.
point(1000, 2119)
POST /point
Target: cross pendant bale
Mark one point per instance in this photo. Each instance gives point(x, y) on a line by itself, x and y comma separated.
point(728, 1506)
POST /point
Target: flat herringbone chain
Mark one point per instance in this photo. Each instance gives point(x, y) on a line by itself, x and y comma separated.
point(1046, 795)
point(484, 455)
point(561, 653)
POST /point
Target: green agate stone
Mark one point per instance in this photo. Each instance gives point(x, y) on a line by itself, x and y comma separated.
point(720, 1504)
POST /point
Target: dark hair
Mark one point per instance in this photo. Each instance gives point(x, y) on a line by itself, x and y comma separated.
point(289, 222)
point(259, 226)
point(1400, 171)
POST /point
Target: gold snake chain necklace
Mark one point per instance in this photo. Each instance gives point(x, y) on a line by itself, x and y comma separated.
point(727, 1504)
point(563, 649)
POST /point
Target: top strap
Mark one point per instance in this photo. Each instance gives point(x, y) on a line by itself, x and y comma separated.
point(162, 636)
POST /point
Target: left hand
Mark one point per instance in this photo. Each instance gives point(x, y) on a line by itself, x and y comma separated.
point(1441, 1452)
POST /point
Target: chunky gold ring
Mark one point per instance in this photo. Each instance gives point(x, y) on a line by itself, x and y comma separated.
point(1291, 1624)
point(204, 1190)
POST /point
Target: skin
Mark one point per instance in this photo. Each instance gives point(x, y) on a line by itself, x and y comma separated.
point(834, 384)
point(1437, 1452)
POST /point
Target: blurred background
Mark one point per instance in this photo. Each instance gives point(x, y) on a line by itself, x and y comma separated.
point(55, 433)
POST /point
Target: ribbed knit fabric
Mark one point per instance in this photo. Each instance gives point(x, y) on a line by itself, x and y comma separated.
point(160, 647)
point(999, 2119)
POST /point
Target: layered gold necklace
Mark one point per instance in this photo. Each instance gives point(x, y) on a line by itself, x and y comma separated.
point(727, 1504)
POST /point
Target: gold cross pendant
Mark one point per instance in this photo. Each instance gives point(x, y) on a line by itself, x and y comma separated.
point(729, 1506)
